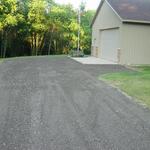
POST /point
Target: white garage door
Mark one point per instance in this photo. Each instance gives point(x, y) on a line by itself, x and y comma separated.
point(109, 44)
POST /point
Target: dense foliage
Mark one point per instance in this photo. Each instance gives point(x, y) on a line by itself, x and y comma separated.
point(41, 27)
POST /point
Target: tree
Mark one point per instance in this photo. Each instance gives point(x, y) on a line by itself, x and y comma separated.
point(85, 23)
point(41, 27)
point(8, 19)
point(37, 22)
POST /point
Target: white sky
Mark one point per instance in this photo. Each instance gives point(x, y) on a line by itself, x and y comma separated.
point(90, 4)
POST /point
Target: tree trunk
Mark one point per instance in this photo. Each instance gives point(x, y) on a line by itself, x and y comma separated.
point(2, 40)
point(5, 44)
point(37, 44)
point(34, 44)
point(50, 42)
point(32, 47)
point(42, 43)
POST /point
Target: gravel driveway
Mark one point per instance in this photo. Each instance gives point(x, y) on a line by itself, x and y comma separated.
point(55, 103)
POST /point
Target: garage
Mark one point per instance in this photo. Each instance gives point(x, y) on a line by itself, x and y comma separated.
point(121, 34)
point(109, 44)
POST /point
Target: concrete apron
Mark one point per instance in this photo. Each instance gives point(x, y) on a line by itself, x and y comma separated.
point(92, 60)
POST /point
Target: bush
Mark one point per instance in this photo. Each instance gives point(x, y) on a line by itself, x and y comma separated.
point(75, 53)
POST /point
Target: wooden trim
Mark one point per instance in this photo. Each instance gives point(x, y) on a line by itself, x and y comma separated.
point(109, 28)
point(97, 53)
point(136, 22)
point(92, 50)
point(119, 55)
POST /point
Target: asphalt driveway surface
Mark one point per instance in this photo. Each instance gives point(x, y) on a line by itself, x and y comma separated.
point(55, 103)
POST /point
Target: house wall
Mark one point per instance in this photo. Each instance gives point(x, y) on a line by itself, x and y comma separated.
point(135, 44)
point(106, 19)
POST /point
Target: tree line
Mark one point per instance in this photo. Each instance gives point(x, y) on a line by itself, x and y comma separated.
point(41, 27)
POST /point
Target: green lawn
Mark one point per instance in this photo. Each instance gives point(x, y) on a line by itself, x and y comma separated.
point(135, 84)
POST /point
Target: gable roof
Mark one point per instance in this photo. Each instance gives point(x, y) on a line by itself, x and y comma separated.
point(136, 11)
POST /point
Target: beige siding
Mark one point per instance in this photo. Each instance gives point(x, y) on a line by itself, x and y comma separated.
point(135, 43)
point(106, 19)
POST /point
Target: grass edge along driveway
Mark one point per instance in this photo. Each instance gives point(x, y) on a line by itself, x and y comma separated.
point(136, 84)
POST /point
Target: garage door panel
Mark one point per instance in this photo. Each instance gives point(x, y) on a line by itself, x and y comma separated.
point(109, 44)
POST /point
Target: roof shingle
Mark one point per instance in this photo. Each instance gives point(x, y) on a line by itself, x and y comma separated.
point(135, 10)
